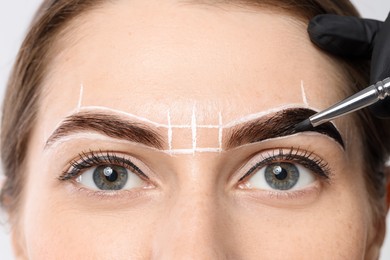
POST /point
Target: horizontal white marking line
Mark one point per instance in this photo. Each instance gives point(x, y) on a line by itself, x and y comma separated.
point(191, 151)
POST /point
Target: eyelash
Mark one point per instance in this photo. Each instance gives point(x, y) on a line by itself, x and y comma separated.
point(294, 155)
point(90, 159)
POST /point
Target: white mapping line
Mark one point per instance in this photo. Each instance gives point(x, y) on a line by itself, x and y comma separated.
point(304, 98)
point(142, 119)
point(261, 114)
point(193, 125)
point(220, 130)
point(228, 125)
point(193, 128)
point(198, 126)
point(91, 136)
point(192, 151)
point(169, 131)
point(171, 151)
point(99, 137)
point(80, 97)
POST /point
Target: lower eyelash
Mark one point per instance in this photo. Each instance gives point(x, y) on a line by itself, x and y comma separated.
point(92, 159)
point(294, 155)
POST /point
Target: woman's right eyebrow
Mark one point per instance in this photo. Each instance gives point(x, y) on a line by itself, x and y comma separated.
point(107, 124)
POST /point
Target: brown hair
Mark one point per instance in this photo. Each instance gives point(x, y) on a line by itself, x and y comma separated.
point(24, 87)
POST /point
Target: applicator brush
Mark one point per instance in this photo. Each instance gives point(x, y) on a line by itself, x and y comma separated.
point(364, 98)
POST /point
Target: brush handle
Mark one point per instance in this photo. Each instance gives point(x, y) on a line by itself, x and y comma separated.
point(364, 98)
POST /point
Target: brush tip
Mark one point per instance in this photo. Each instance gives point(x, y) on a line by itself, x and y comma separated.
point(304, 125)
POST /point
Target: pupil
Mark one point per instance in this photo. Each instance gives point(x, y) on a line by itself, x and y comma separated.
point(113, 176)
point(280, 173)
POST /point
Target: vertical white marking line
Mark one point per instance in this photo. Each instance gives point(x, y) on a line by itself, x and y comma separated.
point(169, 131)
point(304, 98)
point(220, 131)
point(193, 128)
point(261, 114)
point(80, 97)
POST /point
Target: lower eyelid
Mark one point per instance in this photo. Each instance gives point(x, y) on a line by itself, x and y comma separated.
point(295, 194)
point(109, 195)
point(283, 199)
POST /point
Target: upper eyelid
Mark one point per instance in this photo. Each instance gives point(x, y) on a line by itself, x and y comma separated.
point(292, 156)
point(100, 158)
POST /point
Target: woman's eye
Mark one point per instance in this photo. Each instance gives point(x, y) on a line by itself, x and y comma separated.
point(110, 177)
point(284, 170)
point(280, 176)
point(106, 171)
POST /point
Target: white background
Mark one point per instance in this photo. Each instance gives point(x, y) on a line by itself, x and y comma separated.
point(15, 17)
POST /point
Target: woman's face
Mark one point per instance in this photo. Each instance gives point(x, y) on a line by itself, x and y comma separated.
point(164, 132)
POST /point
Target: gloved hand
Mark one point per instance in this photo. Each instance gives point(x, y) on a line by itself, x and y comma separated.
point(356, 38)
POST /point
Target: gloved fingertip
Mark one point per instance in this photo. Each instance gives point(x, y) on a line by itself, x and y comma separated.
point(345, 36)
point(319, 24)
point(320, 33)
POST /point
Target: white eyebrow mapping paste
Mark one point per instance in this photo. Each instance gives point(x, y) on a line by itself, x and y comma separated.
point(304, 97)
point(193, 126)
point(170, 133)
point(80, 97)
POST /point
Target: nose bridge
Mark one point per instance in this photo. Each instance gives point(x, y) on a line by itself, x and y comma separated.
point(189, 227)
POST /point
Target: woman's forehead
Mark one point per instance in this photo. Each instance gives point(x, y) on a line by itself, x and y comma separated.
point(148, 61)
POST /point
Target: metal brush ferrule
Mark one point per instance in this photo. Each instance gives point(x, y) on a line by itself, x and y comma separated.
point(383, 88)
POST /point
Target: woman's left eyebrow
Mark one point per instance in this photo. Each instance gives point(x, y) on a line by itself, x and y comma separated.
point(278, 125)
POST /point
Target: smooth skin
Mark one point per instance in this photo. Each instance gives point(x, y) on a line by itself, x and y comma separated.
point(150, 57)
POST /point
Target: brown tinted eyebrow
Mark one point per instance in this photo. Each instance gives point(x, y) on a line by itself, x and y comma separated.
point(109, 125)
point(278, 125)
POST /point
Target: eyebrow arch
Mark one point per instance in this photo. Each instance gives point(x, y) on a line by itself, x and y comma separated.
point(280, 124)
point(109, 125)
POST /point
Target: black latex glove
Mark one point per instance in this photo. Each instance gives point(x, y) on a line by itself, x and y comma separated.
point(357, 38)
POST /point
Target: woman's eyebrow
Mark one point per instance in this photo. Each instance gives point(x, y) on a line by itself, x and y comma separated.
point(278, 125)
point(109, 125)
